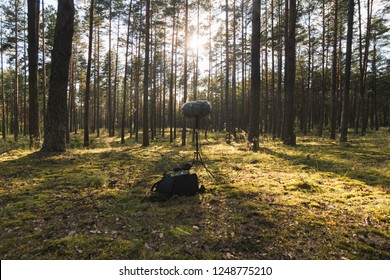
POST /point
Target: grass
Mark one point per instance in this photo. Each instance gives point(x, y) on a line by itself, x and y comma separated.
point(318, 200)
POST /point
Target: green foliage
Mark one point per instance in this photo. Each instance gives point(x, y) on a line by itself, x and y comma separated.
point(318, 200)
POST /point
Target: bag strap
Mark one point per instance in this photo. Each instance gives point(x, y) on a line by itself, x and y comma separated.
point(154, 187)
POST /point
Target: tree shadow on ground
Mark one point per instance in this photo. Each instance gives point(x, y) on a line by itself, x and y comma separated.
point(95, 205)
point(358, 167)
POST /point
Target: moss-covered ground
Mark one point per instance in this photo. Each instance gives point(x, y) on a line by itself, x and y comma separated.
point(318, 200)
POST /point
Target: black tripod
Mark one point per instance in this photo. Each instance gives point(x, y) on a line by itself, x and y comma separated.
point(197, 154)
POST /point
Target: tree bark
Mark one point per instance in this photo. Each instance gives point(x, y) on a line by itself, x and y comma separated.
point(145, 121)
point(253, 134)
point(171, 85)
point(126, 73)
point(88, 78)
point(44, 72)
point(289, 137)
point(184, 131)
point(3, 116)
point(55, 129)
point(334, 75)
point(227, 112)
point(347, 80)
point(16, 95)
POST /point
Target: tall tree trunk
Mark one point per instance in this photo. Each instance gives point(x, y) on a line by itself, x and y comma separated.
point(98, 117)
point(136, 91)
point(171, 85)
point(115, 93)
point(125, 77)
point(308, 107)
point(334, 75)
point(71, 95)
point(374, 91)
point(227, 69)
point(145, 122)
point(44, 72)
point(274, 116)
point(16, 95)
point(184, 132)
point(253, 134)
point(109, 95)
point(163, 95)
point(266, 92)
point(33, 39)
point(363, 89)
point(3, 116)
point(153, 75)
point(323, 75)
point(55, 129)
point(234, 82)
point(347, 80)
point(88, 78)
point(243, 113)
point(289, 137)
point(278, 106)
point(25, 55)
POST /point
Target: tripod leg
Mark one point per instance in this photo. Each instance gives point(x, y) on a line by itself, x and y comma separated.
point(197, 138)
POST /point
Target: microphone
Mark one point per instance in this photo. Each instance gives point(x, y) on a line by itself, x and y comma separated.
point(196, 109)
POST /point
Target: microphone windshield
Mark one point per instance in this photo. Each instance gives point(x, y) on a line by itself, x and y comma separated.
point(196, 109)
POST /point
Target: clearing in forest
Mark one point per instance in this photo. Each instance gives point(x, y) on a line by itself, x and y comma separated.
point(318, 200)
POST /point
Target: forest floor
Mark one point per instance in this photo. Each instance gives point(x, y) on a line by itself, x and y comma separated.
point(318, 200)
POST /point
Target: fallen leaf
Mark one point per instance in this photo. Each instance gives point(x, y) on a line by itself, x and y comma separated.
point(229, 256)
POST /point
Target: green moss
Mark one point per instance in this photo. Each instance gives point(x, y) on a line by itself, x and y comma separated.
point(303, 202)
point(94, 247)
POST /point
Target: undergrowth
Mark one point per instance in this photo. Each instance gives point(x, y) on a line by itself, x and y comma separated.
point(318, 200)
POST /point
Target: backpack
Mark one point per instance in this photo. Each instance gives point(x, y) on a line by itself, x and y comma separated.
point(165, 185)
point(182, 184)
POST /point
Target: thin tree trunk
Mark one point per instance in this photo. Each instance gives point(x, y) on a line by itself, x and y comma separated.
point(244, 123)
point(374, 91)
point(137, 94)
point(16, 94)
point(98, 117)
point(25, 55)
point(227, 69)
point(145, 125)
point(44, 72)
point(363, 89)
point(109, 95)
point(274, 116)
point(323, 76)
point(33, 39)
point(253, 135)
point(115, 101)
point(125, 77)
point(347, 81)
point(278, 106)
point(154, 87)
point(171, 85)
point(289, 137)
point(234, 82)
point(184, 131)
point(88, 78)
point(163, 95)
point(266, 92)
point(3, 115)
point(334, 75)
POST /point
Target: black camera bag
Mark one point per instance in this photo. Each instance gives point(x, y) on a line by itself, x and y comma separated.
point(185, 185)
point(165, 185)
point(182, 185)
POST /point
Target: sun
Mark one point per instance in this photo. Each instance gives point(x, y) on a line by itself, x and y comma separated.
point(197, 43)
